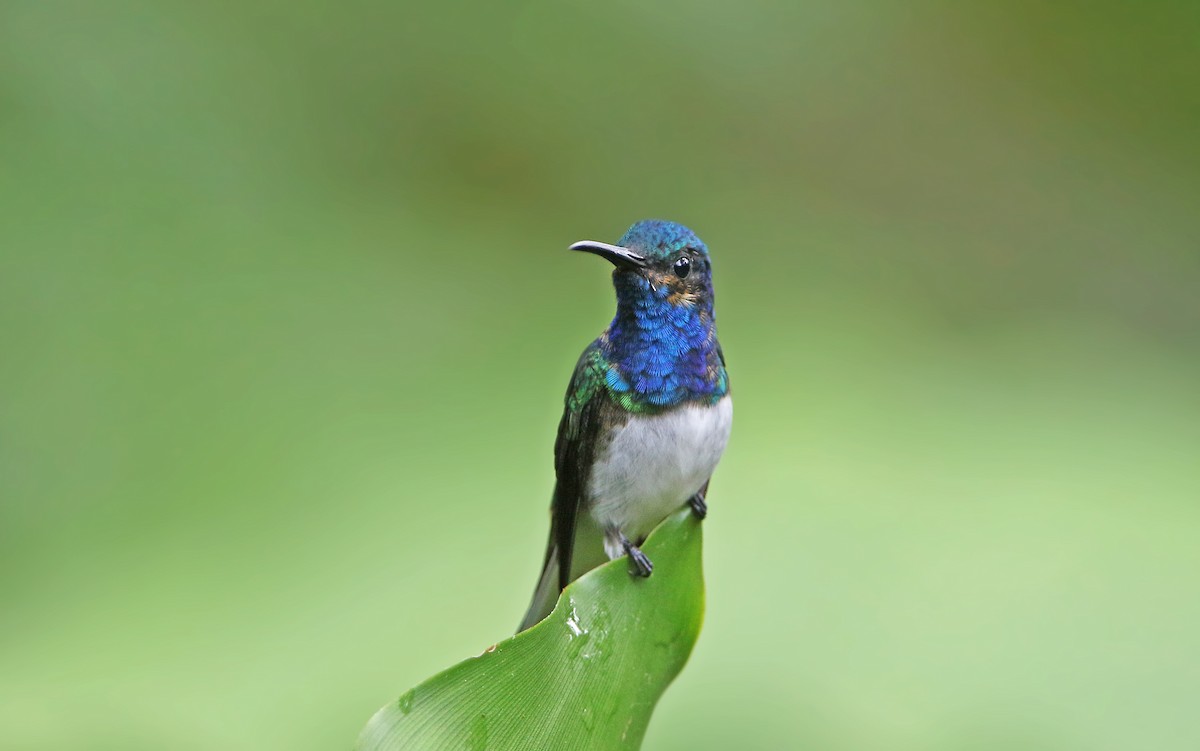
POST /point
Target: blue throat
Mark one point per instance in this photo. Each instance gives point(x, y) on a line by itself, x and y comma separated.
point(662, 353)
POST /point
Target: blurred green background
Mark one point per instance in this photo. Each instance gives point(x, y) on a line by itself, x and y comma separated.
point(287, 318)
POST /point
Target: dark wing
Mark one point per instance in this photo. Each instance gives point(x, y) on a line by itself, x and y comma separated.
point(579, 432)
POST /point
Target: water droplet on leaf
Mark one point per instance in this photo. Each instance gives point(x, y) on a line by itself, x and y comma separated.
point(406, 701)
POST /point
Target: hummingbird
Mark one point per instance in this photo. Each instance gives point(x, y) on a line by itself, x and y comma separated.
point(647, 413)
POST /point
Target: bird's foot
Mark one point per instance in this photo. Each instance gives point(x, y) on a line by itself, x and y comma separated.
point(640, 561)
point(699, 507)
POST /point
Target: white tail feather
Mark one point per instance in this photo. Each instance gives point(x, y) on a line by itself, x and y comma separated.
point(546, 594)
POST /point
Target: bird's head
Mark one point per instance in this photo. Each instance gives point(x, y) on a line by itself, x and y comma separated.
point(659, 260)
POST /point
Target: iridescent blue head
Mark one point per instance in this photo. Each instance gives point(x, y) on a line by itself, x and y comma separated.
point(660, 260)
point(661, 348)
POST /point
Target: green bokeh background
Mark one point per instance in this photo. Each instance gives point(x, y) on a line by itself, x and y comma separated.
point(286, 321)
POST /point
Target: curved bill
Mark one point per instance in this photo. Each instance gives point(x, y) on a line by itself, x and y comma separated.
point(615, 253)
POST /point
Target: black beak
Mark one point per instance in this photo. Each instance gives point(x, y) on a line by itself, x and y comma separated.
point(620, 257)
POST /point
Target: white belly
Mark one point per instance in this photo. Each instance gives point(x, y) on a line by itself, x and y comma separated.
point(653, 464)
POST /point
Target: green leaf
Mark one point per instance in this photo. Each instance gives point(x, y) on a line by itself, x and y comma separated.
point(586, 677)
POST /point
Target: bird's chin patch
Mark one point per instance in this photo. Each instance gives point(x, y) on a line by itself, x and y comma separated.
point(634, 279)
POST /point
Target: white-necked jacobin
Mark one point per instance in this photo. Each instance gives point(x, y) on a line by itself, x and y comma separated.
point(647, 414)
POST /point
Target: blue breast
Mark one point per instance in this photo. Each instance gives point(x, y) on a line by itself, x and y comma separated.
point(662, 354)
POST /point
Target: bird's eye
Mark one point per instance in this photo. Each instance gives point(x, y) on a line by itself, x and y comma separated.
point(683, 266)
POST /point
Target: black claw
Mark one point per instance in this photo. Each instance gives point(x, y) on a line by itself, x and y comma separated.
point(699, 507)
point(640, 561)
